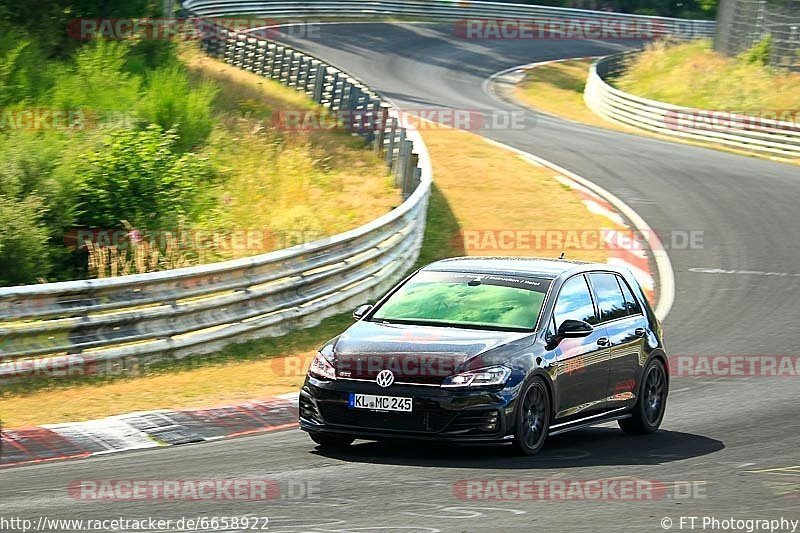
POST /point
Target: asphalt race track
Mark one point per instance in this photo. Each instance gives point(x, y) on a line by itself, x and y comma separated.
point(718, 432)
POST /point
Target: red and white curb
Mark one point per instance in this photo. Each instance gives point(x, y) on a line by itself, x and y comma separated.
point(146, 429)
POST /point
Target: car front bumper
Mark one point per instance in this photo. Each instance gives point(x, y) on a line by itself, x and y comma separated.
point(447, 414)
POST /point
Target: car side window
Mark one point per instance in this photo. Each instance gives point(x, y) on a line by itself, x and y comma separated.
point(609, 296)
point(575, 302)
point(631, 303)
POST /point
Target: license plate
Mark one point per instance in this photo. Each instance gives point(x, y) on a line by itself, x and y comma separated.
point(380, 403)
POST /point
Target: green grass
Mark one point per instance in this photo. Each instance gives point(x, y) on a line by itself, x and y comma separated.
point(442, 226)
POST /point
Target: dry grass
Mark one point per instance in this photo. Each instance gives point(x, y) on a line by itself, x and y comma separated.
point(478, 187)
point(490, 189)
point(693, 75)
point(557, 88)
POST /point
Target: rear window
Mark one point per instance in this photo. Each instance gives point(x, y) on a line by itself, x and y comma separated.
point(466, 300)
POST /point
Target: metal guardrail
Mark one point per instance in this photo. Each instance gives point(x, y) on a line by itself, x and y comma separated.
point(755, 134)
point(447, 10)
point(115, 325)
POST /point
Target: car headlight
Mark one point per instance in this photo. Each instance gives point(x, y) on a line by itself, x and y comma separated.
point(322, 368)
point(495, 375)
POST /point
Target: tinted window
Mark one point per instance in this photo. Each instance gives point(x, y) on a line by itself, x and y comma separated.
point(631, 303)
point(609, 296)
point(575, 302)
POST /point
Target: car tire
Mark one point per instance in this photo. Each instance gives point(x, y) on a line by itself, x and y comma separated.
point(331, 441)
point(649, 410)
point(533, 417)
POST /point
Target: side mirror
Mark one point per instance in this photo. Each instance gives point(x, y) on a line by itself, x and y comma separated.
point(573, 329)
point(362, 310)
point(569, 329)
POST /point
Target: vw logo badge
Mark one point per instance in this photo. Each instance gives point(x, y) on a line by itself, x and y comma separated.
point(385, 378)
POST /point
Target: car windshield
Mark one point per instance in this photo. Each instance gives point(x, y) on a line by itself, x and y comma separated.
point(484, 301)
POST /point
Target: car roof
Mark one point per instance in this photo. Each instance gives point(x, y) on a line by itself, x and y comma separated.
point(541, 267)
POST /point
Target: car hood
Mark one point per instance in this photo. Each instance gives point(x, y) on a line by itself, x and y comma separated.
point(418, 354)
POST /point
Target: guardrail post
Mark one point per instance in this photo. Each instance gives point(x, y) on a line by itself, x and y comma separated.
point(401, 163)
point(303, 72)
point(260, 57)
point(382, 122)
point(410, 174)
point(392, 134)
point(346, 104)
point(277, 58)
point(355, 110)
point(239, 51)
point(334, 90)
point(293, 72)
point(269, 57)
point(249, 54)
point(286, 65)
point(319, 83)
point(370, 121)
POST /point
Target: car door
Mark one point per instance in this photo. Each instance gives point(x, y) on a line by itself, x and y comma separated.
point(625, 326)
point(582, 378)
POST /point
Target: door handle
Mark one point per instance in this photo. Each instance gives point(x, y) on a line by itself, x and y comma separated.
point(639, 332)
point(602, 341)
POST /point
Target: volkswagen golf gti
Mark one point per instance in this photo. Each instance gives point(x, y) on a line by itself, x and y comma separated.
point(492, 350)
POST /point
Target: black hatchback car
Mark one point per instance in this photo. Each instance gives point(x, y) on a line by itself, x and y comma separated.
point(492, 350)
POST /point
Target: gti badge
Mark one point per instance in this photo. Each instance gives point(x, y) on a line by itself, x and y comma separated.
point(385, 378)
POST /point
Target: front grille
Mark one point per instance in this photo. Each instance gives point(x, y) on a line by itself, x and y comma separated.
point(427, 421)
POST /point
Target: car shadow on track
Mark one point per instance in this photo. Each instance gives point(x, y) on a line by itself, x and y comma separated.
point(588, 447)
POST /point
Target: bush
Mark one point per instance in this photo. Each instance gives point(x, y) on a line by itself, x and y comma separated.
point(170, 102)
point(759, 53)
point(99, 80)
point(30, 184)
point(149, 54)
point(21, 76)
point(139, 176)
point(23, 241)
